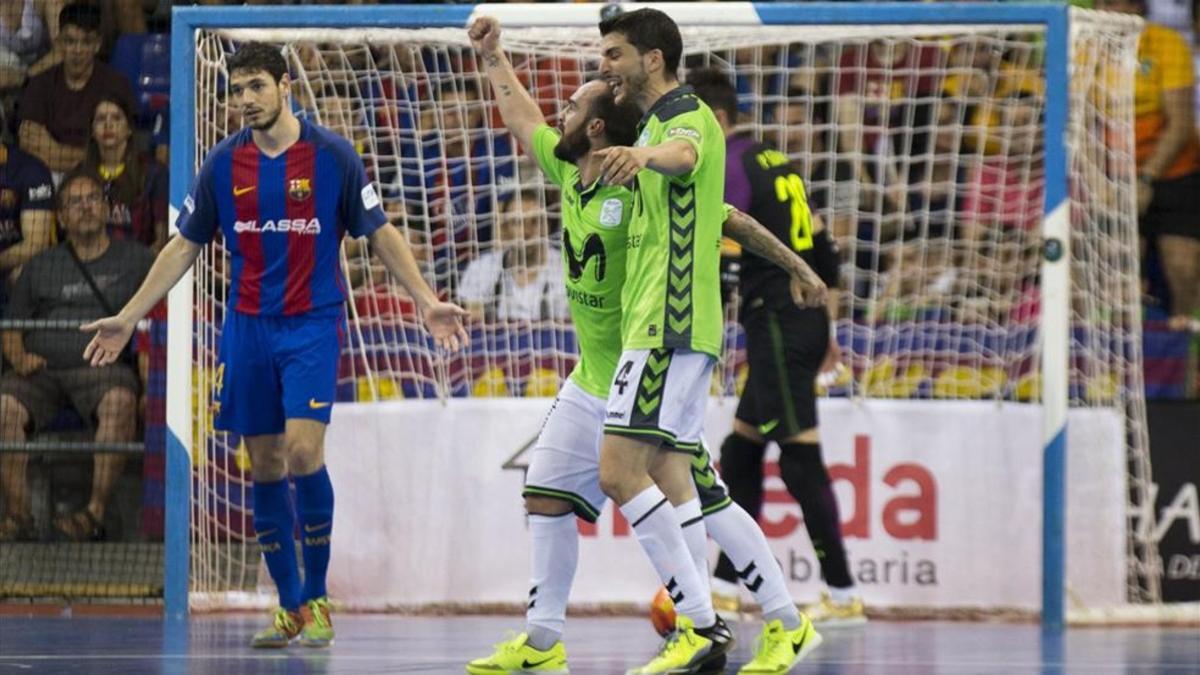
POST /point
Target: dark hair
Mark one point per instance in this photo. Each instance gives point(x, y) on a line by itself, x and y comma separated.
point(620, 119)
point(648, 29)
point(82, 173)
point(715, 88)
point(83, 15)
point(127, 187)
point(256, 56)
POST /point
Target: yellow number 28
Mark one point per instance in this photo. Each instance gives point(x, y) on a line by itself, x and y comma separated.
point(790, 189)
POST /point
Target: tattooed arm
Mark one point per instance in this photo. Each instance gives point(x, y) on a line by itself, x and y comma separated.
point(520, 112)
point(807, 288)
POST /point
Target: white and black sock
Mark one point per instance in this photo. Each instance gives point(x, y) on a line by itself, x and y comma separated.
point(658, 532)
point(555, 556)
point(691, 521)
point(743, 541)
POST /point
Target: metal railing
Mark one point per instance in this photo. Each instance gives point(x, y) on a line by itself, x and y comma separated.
point(53, 446)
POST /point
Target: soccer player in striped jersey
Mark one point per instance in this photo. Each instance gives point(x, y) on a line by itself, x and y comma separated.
point(563, 477)
point(282, 191)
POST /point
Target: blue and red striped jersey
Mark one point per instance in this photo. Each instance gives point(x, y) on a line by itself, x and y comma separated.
point(283, 218)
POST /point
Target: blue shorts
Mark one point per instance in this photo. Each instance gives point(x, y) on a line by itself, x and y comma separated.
point(273, 369)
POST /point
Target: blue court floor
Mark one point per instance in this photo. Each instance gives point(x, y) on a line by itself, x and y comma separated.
point(397, 644)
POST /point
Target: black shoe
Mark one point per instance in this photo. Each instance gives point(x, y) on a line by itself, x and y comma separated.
point(722, 639)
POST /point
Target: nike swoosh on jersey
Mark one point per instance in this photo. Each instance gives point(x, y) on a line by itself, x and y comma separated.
point(317, 405)
point(239, 191)
point(314, 528)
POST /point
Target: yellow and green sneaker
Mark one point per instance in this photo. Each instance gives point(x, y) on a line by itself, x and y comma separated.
point(318, 627)
point(517, 656)
point(777, 649)
point(285, 626)
point(688, 650)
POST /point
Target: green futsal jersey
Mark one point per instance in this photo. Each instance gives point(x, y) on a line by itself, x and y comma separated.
point(672, 296)
point(595, 225)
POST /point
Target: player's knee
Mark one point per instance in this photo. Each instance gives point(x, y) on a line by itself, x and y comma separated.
point(672, 472)
point(809, 435)
point(802, 462)
point(741, 456)
point(537, 505)
point(268, 463)
point(613, 481)
point(304, 455)
point(13, 417)
point(117, 410)
point(747, 431)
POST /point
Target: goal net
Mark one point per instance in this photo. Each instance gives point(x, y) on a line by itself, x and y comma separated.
point(921, 147)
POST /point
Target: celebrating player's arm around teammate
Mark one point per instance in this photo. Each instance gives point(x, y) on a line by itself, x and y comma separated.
point(563, 476)
point(562, 480)
point(281, 190)
point(671, 331)
point(787, 347)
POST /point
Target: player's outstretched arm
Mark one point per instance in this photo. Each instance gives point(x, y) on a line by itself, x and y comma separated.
point(622, 163)
point(443, 320)
point(518, 109)
point(807, 288)
point(111, 333)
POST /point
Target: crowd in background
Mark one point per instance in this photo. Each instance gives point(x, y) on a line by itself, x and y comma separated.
point(66, 111)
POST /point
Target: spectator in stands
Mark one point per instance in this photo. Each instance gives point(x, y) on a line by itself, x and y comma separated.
point(26, 193)
point(1168, 156)
point(134, 184)
point(457, 161)
point(86, 277)
point(57, 106)
point(521, 277)
point(882, 113)
point(829, 181)
point(27, 32)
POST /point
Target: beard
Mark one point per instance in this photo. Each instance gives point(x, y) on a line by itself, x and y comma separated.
point(633, 87)
point(270, 121)
point(572, 145)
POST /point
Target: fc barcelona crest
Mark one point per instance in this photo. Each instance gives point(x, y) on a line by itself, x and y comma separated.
point(299, 189)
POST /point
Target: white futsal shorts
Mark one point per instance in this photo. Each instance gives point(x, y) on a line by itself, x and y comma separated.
point(565, 461)
point(660, 394)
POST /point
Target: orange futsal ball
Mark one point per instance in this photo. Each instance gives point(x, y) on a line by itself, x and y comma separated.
point(662, 612)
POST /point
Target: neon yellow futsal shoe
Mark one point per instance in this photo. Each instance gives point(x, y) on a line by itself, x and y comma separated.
point(517, 656)
point(829, 613)
point(285, 626)
point(318, 627)
point(777, 650)
point(690, 651)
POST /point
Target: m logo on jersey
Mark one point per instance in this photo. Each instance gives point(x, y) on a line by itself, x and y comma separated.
point(299, 189)
point(576, 262)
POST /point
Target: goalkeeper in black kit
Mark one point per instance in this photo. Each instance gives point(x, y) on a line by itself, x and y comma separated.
point(787, 346)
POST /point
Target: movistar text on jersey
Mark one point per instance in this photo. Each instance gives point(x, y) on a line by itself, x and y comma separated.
point(583, 298)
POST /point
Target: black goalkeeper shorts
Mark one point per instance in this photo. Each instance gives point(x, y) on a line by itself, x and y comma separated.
point(785, 346)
